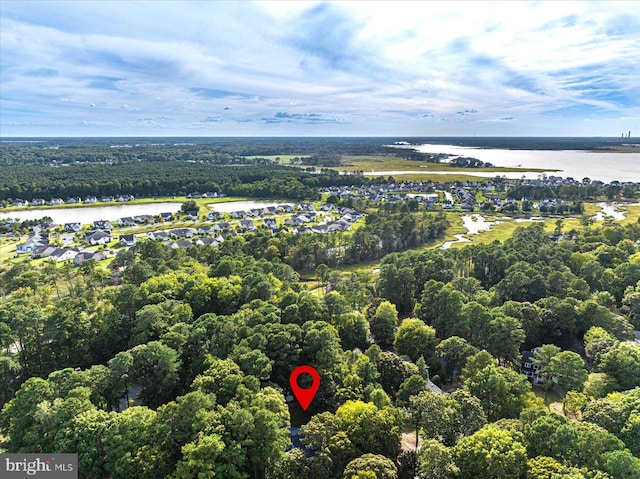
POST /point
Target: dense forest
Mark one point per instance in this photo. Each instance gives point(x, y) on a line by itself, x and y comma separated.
point(233, 150)
point(167, 178)
point(175, 363)
point(222, 151)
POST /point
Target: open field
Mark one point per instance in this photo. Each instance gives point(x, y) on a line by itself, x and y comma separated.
point(383, 163)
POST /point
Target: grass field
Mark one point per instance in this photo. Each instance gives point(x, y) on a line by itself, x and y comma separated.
point(384, 163)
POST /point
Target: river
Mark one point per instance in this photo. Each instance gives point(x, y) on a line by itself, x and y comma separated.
point(604, 166)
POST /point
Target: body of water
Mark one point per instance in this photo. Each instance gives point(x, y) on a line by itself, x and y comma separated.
point(604, 166)
point(89, 214)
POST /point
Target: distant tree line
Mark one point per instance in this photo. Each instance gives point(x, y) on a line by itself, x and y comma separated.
point(211, 150)
point(572, 192)
point(148, 178)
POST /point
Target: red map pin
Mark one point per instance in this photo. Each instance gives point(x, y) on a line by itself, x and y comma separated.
point(304, 396)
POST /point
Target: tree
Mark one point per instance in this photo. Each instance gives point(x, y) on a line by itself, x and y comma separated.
point(415, 339)
point(490, 453)
point(393, 371)
point(506, 336)
point(441, 307)
point(454, 351)
point(598, 385)
point(568, 370)
point(382, 467)
point(621, 464)
point(622, 362)
point(132, 445)
point(189, 205)
point(199, 458)
point(630, 433)
point(353, 330)
point(543, 467)
point(293, 465)
point(155, 367)
point(435, 461)
point(501, 391)
point(412, 386)
point(370, 429)
point(542, 357)
point(384, 323)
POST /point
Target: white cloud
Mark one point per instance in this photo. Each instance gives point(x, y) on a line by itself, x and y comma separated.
point(370, 67)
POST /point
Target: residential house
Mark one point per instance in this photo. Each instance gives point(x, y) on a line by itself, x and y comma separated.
point(62, 254)
point(142, 219)
point(214, 215)
point(43, 251)
point(181, 232)
point(74, 200)
point(158, 235)
point(246, 225)
point(19, 202)
point(87, 256)
point(32, 243)
point(38, 202)
point(284, 209)
point(72, 227)
point(98, 237)
point(204, 230)
point(207, 241)
point(125, 198)
point(126, 221)
point(102, 225)
point(56, 201)
point(528, 367)
point(90, 200)
point(222, 226)
point(270, 223)
point(127, 240)
point(192, 215)
point(166, 216)
point(106, 199)
point(183, 244)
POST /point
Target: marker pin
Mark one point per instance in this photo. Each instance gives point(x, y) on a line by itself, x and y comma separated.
point(304, 396)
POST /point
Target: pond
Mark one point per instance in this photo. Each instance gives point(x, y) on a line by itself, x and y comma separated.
point(89, 214)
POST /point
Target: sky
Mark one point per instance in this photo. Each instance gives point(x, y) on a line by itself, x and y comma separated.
point(241, 68)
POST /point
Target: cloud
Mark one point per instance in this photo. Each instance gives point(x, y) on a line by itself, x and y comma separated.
point(211, 119)
point(309, 118)
point(503, 119)
point(324, 67)
point(466, 112)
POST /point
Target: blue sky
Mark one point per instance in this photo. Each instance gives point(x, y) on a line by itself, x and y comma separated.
point(216, 68)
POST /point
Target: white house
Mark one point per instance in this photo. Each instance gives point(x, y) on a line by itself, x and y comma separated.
point(127, 240)
point(31, 244)
point(72, 227)
point(62, 254)
point(98, 237)
point(246, 225)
